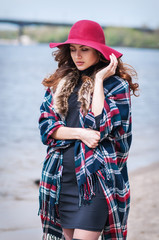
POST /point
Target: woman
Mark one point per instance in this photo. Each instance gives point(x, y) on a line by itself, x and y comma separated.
point(86, 123)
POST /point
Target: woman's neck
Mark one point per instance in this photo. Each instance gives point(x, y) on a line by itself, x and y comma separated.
point(90, 70)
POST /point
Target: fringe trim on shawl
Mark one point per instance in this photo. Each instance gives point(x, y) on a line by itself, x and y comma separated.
point(51, 237)
point(48, 210)
point(88, 189)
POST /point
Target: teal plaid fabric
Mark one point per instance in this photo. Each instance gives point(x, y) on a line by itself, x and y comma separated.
point(106, 163)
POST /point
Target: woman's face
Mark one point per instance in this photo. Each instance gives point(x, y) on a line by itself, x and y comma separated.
point(83, 56)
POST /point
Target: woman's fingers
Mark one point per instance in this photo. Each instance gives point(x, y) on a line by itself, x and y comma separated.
point(90, 137)
point(109, 70)
point(113, 62)
point(93, 144)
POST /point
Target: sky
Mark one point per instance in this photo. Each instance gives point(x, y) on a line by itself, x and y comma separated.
point(134, 13)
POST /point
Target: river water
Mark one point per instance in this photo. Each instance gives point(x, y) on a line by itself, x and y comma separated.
point(22, 69)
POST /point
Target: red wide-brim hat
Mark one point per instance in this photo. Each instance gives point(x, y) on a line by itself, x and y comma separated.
point(91, 34)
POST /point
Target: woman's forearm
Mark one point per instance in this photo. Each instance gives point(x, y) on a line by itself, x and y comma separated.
point(88, 136)
point(98, 94)
point(66, 133)
point(98, 98)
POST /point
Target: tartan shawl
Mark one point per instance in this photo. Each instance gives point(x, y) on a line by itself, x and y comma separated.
point(106, 163)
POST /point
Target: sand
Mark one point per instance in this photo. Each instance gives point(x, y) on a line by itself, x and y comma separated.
point(143, 223)
point(19, 220)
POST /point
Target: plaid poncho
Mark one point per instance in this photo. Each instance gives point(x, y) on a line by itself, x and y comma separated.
point(106, 163)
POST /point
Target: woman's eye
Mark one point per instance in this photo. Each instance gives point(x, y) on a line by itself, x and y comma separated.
point(85, 49)
point(72, 50)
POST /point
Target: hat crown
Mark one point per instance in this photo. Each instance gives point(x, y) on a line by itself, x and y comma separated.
point(87, 30)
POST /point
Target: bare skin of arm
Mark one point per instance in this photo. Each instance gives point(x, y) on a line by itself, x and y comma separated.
point(88, 136)
point(98, 94)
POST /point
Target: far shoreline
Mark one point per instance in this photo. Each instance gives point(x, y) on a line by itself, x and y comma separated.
point(26, 41)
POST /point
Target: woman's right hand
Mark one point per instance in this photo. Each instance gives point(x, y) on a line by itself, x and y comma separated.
point(89, 137)
point(86, 135)
point(107, 71)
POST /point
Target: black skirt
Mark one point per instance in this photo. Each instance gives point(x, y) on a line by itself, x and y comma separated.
point(92, 216)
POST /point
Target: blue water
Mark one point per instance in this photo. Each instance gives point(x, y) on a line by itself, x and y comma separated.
point(22, 69)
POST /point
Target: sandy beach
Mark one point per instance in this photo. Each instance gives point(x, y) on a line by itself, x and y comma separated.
point(19, 218)
point(144, 214)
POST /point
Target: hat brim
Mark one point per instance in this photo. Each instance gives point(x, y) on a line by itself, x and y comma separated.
point(105, 50)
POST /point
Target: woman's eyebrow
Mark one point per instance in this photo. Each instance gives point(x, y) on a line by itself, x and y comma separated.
point(80, 46)
point(72, 46)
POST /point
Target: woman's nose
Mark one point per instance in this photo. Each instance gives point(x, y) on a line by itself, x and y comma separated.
point(78, 54)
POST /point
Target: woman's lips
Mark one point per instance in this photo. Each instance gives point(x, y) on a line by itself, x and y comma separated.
point(79, 63)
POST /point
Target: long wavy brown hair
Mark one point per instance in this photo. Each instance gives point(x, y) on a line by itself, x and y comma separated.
point(66, 65)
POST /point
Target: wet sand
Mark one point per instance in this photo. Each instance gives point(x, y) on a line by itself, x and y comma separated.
point(19, 218)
